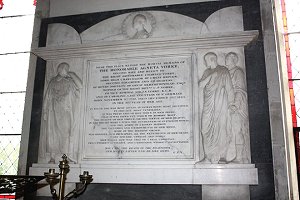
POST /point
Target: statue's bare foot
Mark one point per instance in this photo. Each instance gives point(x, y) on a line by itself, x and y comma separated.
point(71, 160)
point(51, 161)
point(206, 161)
point(215, 159)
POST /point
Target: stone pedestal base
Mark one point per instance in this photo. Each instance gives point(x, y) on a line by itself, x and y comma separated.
point(219, 182)
point(225, 192)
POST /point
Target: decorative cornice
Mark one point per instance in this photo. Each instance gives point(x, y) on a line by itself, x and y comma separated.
point(235, 39)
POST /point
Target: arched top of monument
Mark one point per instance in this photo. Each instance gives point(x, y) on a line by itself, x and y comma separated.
point(148, 24)
point(62, 34)
point(142, 25)
point(228, 19)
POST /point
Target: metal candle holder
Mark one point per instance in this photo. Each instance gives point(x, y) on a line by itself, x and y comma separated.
point(51, 178)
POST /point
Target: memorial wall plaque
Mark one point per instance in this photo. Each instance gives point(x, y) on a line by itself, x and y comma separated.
point(166, 105)
point(139, 108)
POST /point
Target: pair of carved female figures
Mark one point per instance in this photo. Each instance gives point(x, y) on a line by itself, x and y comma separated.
point(224, 114)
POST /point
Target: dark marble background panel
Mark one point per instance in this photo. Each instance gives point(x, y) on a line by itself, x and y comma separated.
point(136, 192)
point(142, 192)
point(36, 113)
point(265, 189)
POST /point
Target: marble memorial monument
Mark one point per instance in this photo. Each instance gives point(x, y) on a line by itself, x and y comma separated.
point(150, 97)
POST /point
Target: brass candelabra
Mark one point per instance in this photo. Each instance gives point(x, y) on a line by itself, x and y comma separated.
point(52, 179)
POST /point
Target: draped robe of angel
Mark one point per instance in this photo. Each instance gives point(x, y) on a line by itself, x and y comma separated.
point(215, 119)
point(60, 111)
point(240, 116)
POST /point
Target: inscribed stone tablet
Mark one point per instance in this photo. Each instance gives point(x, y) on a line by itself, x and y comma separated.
point(139, 108)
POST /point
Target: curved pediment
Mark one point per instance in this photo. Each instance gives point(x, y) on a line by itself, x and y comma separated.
point(228, 19)
point(148, 24)
point(62, 34)
point(142, 25)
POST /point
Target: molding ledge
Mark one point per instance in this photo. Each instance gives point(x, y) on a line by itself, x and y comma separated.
point(236, 39)
point(205, 174)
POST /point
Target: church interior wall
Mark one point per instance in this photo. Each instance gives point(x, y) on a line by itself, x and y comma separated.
point(259, 119)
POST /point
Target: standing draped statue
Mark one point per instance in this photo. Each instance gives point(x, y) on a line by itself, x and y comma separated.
point(218, 98)
point(239, 117)
point(60, 113)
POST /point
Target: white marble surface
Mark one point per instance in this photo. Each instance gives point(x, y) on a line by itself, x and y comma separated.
point(65, 104)
point(225, 20)
point(60, 116)
point(159, 56)
point(157, 24)
point(151, 41)
point(237, 126)
point(225, 192)
point(107, 49)
point(243, 176)
point(62, 34)
point(223, 112)
point(154, 24)
point(139, 108)
point(161, 174)
point(285, 175)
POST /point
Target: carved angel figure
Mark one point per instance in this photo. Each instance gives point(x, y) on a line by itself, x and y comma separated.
point(60, 111)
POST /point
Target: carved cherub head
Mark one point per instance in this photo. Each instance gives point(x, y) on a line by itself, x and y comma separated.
point(139, 22)
point(211, 60)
